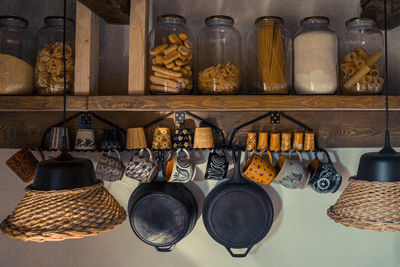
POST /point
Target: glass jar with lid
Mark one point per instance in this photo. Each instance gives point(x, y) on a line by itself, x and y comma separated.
point(316, 49)
point(362, 61)
point(270, 57)
point(219, 56)
point(16, 71)
point(49, 67)
point(169, 65)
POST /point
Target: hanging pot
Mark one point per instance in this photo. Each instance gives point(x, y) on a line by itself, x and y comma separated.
point(238, 213)
point(161, 214)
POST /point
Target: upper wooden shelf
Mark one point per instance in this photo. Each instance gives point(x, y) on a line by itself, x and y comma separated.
point(199, 103)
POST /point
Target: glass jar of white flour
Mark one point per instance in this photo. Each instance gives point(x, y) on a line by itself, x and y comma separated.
point(316, 49)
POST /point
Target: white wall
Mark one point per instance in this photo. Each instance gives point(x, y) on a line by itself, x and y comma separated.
point(302, 233)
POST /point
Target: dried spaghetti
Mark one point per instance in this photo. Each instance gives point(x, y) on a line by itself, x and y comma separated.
point(220, 79)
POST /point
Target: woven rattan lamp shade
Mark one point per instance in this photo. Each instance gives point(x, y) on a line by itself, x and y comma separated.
point(368, 205)
point(63, 214)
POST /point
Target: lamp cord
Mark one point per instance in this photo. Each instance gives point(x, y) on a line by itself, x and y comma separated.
point(387, 142)
point(64, 143)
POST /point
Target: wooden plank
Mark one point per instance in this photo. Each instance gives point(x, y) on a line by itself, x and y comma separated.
point(86, 51)
point(112, 11)
point(41, 103)
point(137, 47)
point(241, 103)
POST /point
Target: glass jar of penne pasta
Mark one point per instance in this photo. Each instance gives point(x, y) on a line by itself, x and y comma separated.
point(362, 58)
point(49, 67)
point(169, 64)
point(270, 57)
point(219, 56)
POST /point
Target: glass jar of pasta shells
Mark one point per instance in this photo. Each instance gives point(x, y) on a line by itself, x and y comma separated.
point(170, 56)
point(219, 56)
point(362, 61)
point(270, 57)
point(16, 69)
point(49, 67)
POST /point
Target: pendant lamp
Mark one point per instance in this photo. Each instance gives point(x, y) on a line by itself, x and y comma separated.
point(372, 198)
point(65, 200)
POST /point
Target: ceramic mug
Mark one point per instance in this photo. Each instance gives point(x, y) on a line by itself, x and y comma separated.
point(260, 170)
point(85, 140)
point(203, 138)
point(24, 163)
point(180, 169)
point(111, 139)
point(162, 139)
point(274, 144)
point(309, 141)
point(286, 143)
point(324, 178)
point(251, 141)
point(135, 138)
point(183, 138)
point(292, 173)
point(109, 168)
point(56, 138)
point(217, 166)
point(142, 168)
point(262, 141)
point(298, 141)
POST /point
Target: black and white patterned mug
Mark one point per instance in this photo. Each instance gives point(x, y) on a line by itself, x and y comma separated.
point(217, 165)
point(180, 169)
point(324, 176)
point(183, 138)
point(142, 167)
point(110, 168)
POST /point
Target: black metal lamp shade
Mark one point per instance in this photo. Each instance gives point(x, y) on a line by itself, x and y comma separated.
point(64, 172)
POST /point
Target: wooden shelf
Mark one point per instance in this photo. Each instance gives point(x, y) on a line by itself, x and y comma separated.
point(199, 103)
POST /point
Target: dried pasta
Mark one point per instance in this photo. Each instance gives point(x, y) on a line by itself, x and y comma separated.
point(220, 79)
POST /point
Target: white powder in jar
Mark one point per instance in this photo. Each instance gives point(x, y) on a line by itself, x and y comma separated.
point(316, 62)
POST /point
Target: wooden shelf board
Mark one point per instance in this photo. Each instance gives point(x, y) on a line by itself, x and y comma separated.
point(199, 103)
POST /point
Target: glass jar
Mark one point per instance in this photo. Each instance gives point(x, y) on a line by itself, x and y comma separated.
point(362, 61)
point(49, 68)
point(316, 49)
point(219, 56)
point(169, 64)
point(16, 72)
point(270, 63)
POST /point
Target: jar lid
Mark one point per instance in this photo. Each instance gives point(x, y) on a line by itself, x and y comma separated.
point(58, 18)
point(316, 20)
point(265, 19)
point(171, 18)
point(358, 21)
point(219, 19)
point(13, 20)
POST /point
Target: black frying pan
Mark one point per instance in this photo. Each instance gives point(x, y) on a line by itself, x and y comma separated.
point(238, 213)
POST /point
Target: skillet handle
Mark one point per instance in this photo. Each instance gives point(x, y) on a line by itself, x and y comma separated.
point(239, 255)
point(165, 249)
point(236, 153)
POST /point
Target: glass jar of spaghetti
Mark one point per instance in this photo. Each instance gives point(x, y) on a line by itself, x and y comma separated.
point(219, 57)
point(169, 64)
point(49, 67)
point(362, 61)
point(270, 63)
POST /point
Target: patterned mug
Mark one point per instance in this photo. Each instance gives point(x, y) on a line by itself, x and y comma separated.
point(203, 138)
point(324, 178)
point(85, 140)
point(56, 138)
point(162, 139)
point(142, 168)
point(135, 138)
point(24, 163)
point(217, 166)
point(259, 170)
point(111, 139)
point(291, 172)
point(180, 169)
point(262, 141)
point(183, 138)
point(251, 141)
point(109, 168)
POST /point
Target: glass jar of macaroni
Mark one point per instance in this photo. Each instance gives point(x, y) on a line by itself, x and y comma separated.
point(362, 58)
point(49, 67)
point(16, 70)
point(219, 56)
point(169, 64)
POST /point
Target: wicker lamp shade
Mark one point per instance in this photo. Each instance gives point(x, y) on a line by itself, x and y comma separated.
point(63, 214)
point(369, 205)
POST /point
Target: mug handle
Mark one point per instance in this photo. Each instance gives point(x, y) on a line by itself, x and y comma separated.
point(326, 154)
point(116, 152)
point(148, 151)
point(298, 154)
point(185, 151)
point(39, 152)
point(269, 155)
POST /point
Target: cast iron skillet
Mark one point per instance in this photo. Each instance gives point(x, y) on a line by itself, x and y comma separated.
point(238, 213)
point(161, 214)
